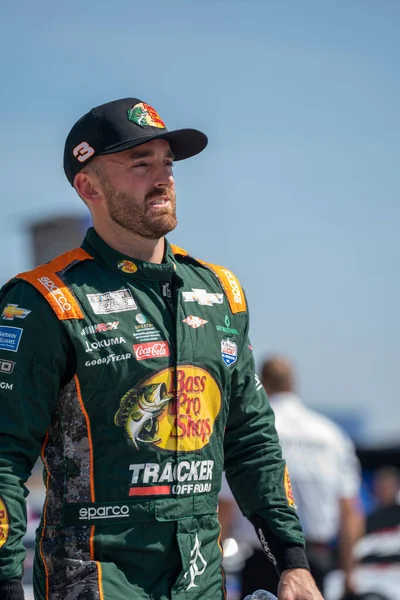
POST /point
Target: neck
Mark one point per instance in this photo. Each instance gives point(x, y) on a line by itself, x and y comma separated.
point(131, 244)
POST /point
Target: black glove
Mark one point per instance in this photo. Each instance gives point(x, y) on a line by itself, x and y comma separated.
point(11, 590)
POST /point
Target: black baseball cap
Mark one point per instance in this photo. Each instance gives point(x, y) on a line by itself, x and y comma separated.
point(120, 125)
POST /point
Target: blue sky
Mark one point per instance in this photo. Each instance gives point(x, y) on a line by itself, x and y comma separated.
point(298, 190)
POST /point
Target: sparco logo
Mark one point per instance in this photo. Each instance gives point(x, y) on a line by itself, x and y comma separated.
point(237, 294)
point(151, 350)
point(6, 366)
point(99, 327)
point(56, 292)
point(93, 346)
point(103, 512)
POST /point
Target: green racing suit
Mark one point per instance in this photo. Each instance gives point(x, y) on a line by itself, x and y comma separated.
point(135, 383)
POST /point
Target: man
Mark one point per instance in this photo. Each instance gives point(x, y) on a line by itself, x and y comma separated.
point(325, 479)
point(126, 365)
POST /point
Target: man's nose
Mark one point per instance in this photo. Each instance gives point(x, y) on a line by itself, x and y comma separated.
point(163, 175)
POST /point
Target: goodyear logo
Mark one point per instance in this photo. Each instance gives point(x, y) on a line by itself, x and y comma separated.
point(4, 523)
point(172, 410)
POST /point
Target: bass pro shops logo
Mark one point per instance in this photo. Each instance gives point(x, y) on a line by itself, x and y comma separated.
point(172, 410)
point(4, 523)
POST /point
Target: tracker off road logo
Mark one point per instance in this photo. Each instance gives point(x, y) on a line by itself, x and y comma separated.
point(144, 115)
point(172, 410)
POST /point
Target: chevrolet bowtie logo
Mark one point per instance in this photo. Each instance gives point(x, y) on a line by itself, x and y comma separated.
point(12, 311)
point(203, 297)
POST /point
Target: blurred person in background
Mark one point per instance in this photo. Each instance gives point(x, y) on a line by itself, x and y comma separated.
point(126, 364)
point(381, 543)
point(325, 476)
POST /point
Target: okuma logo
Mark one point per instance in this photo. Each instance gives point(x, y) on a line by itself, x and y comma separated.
point(174, 410)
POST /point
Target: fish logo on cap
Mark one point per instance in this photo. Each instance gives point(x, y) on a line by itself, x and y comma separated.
point(144, 115)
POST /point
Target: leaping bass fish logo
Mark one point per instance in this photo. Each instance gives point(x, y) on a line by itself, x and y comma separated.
point(138, 412)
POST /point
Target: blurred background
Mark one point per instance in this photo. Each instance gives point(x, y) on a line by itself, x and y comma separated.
point(297, 192)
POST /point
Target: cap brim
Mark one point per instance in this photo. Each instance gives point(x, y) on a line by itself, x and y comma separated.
point(184, 142)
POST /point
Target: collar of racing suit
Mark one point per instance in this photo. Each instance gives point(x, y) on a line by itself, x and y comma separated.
point(132, 267)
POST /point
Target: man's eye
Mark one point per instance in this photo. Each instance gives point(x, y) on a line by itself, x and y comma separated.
point(141, 164)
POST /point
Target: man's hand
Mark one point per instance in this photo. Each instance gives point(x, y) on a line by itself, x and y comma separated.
point(298, 584)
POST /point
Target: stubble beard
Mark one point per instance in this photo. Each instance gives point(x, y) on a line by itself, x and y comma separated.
point(135, 217)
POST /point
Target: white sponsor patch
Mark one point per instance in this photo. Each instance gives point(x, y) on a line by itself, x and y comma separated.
point(106, 360)
point(6, 366)
point(95, 346)
point(103, 512)
point(198, 564)
point(112, 302)
point(6, 386)
point(203, 297)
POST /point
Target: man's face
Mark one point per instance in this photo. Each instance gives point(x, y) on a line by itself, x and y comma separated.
point(139, 189)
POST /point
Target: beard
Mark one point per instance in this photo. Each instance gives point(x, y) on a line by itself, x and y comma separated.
point(137, 217)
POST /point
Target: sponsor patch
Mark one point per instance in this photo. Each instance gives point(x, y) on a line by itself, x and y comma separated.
point(4, 523)
point(103, 512)
point(6, 366)
point(60, 295)
point(13, 311)
point(227, 328)
point(288, 489)
point(203, 297)
point(194, 322)
point(198, 564)
point(144, 115)
point(95, 346)
point(100, 327)
point(174, 409)
point(229, 351)
point(107, 360)
point(10, 338)
point(151, 350)
point(259, 385)
point(127, 266)
point(112, 302)
point(185, 477)
point(140, 318)
point(6, 386)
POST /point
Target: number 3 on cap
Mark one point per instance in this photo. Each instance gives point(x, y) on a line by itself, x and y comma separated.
point(83, 151)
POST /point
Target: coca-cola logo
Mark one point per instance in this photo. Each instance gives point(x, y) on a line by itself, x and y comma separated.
point(151, 350)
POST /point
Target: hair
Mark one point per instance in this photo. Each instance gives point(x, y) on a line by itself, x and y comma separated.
point(277, 375)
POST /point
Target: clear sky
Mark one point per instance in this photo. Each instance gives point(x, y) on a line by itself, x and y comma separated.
point(298, 191)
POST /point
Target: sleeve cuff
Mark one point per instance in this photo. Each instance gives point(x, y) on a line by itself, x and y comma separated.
point(11, 590)
point(291, 557)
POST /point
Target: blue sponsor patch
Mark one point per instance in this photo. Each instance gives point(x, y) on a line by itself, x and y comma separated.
point(10, 338)
point(228, 351)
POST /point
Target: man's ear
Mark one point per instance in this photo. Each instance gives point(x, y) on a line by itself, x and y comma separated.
point(88, 187)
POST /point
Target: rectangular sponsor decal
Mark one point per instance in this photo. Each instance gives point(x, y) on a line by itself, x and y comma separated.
point(6, 366)
point(10, 338)
point(186, 477)
point(151, 350)
point(112, 302)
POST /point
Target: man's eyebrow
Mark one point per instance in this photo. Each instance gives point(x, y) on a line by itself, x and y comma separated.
point(146, 153)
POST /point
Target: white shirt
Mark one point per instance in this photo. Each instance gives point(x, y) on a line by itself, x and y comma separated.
point(322, 464)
